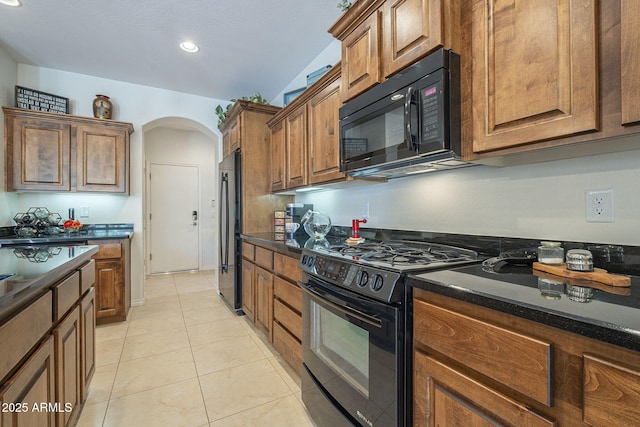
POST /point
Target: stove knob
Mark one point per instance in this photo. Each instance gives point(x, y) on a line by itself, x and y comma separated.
point(376, 282)
point(362, 278)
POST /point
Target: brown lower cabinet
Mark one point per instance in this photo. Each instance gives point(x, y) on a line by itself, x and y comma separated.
point(113, 280)
point(49, 355)
point(32, 384)
point(248, 289)
point(476, 366)
point(264, 301)
point(88, 340)
point(67, 341)
point(272, 299)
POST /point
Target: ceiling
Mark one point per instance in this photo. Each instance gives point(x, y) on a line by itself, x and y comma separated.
point(246, 46)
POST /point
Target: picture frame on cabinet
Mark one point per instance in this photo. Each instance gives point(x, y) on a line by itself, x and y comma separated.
point(32, 99)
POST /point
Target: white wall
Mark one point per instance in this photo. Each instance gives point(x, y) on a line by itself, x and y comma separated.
point(137, 104)
point(544, 200)
point(8, 80)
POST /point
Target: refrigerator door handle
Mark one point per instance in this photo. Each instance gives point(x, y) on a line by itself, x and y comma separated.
point(224, 197)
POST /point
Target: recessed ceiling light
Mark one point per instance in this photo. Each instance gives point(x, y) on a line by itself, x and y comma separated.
point(14, 3)
point(188, 46)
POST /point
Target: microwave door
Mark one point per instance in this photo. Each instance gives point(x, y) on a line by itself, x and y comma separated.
point(377, 134)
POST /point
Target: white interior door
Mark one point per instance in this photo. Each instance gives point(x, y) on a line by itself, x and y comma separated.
point(173, 218)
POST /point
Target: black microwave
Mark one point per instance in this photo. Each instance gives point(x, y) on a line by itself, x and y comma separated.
point(408, 124)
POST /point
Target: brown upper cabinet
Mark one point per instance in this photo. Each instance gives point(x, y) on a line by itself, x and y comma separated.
point(324, 133)
point(296, 147)
point(305, 137)
point(380, 38)
point(534, 73)
point(630, 61)
point(60, 152)
point(551, 75)
point(231, 136)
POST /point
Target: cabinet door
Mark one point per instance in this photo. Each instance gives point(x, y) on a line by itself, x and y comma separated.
point(361, 57)
point(234, 135)
point(264, 302)
point(296, 148)
point(101, 159)
point(611, 393)
point(34, 383)
point(411, 29)
point(446, 397)
point(109, 290)
point(324, 135)
point(41, 153)
point(68, 378)
point(630, 60)
point(88, 348)
point(226, 144)
point(248, 289)
point(277, 157)
point(534, 73)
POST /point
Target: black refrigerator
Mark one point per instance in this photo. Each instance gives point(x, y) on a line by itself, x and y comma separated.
point(230, 268)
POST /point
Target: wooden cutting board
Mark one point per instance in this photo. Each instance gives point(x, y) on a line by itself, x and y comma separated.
point(597, 275)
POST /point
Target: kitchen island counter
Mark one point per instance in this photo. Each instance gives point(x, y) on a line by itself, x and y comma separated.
point(29, 272)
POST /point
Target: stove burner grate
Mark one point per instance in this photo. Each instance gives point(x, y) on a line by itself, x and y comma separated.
point(403, 253)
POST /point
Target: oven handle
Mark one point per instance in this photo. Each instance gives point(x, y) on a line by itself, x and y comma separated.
point(350, 311)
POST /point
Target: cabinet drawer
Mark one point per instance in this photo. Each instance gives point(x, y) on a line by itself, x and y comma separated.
point(288, 318)
point(22, 332)
point(610, 393)
point(264, 258)
point(108, 251)
point(287, 266)
point(248, 251)
point(65, 295)
point(457, 399)
point(518, 361)
point(87, 276)
point(289, 348)
point(287, 292)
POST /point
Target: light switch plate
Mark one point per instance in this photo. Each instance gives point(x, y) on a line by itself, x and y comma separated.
point(84, 211)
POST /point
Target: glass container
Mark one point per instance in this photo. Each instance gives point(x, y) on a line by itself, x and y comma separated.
point(316, 224)
point(550, 253)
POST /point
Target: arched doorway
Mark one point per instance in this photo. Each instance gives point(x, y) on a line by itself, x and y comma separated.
point(185, 153)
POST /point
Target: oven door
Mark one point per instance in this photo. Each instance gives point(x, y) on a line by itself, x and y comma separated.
point(352, 353)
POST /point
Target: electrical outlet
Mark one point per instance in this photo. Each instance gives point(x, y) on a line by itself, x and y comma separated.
point(365, 210)
point(599, 206)
point(84, 211)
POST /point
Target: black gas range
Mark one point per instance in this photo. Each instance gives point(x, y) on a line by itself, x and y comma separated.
point(357, 329)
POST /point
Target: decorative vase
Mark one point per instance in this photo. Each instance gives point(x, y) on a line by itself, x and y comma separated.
point(102, 107)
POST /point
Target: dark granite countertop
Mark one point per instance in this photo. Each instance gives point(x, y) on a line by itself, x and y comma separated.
point(293, 243)
point(26, 272)
point(88, 232)
point(610, 316)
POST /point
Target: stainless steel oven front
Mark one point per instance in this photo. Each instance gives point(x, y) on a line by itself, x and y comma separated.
point(352, 357)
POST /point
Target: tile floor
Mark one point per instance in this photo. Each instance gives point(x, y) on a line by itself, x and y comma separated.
point(184, 359)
